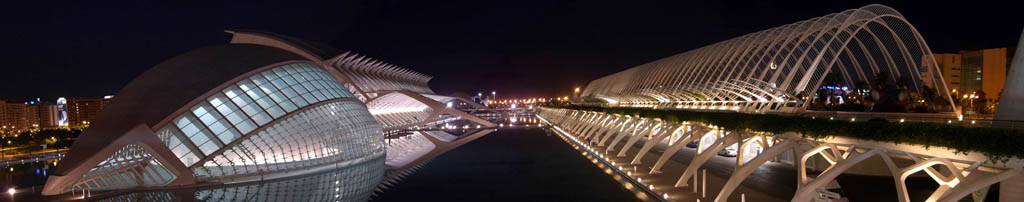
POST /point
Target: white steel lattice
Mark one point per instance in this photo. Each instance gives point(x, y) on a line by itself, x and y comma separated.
point(780, 69)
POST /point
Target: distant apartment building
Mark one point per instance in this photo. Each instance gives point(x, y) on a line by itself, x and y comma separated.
point(49, 116)
point(15, 116)
point(975, 71)
point(32, 115)
point(3, 115)
point(81, 110)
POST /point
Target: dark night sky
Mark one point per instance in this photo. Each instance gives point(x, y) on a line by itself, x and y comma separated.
point(519, 48)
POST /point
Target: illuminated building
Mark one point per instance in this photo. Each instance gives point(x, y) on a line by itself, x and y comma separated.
point(985, 70)
point(49, 115)
point(82, 110)
point(779, 69)
point(265, 106)
point(949, 66)
point(15, 116)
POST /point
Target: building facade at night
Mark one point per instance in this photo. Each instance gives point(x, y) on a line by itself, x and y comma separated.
point(949, 66)
point(780, 69)
point(82, 110)
point(15, 116)
point(264, 106)
point(985, 71)
point(22, 116)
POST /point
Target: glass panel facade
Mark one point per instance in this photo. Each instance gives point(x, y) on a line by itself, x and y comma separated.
point(241, 108)
point(130, 166)
point(312, 137)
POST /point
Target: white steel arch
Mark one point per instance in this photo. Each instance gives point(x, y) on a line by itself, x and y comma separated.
point(779, 69)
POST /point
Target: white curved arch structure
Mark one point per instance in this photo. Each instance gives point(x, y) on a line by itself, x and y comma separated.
point(960, 174)
point(777, 69)
point(265, 106)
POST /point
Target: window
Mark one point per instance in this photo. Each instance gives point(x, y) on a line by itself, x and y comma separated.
point(244, 107)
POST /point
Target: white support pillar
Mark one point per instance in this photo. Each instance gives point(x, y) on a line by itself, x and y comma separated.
point(971, 185)
point(650, 143)
point(614, 121)
point(630, 131)
point(945, 182)
point(704, 156)
point(674, 148)
point(649, 128)
point(628, 123)
point(807, 189)
point(742, 172)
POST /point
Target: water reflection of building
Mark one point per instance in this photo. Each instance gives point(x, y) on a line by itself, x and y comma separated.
point(266, 106)
point(227, 113)
point(335, 185)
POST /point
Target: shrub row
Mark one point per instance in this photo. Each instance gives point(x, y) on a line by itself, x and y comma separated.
point(996, 143)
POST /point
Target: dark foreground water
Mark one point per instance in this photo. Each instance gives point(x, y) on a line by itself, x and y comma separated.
point(509, 165)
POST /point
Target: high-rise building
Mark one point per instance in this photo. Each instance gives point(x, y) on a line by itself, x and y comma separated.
point(32, 115)
point(49, 116)
point(15, 118)
point(3, 115)
point(82, 110)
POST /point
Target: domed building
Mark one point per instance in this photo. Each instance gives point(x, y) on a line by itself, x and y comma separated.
point(265, 106)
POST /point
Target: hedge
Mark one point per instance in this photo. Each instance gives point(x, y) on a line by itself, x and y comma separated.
point(996, 143)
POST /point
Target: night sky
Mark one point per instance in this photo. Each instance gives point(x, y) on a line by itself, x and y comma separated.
point(519, 48)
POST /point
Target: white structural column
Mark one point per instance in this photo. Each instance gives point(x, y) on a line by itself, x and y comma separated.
point(945, 182)
point(973, 184)
point(809, 188)
point(605, 125)
point(648, 129)
point(612, 129)
point(623, 127)
point(704, 155)
point(628, 130)
point(958, 175)
point(743, 171)
point(594, 124)
point(650, 143)
point(675, 148)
